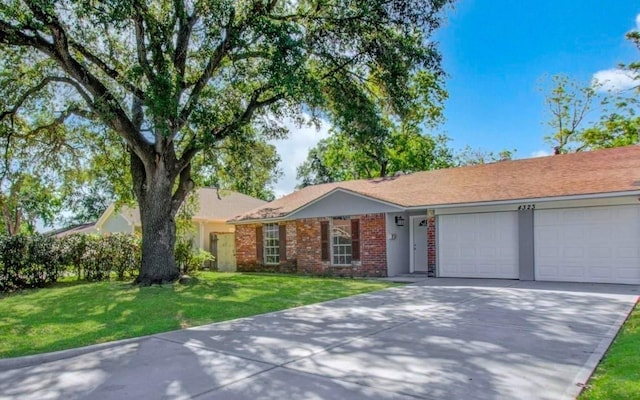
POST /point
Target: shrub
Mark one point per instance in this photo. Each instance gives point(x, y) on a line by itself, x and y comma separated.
point(189, 259)
point(96, 261)
point(34, 261)
point(125, 254)
point(97, 258)
point(28, 261)
point(72, 249)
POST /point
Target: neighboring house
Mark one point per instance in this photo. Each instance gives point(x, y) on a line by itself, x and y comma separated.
point(573, 217)
point(70, 230)
point(212, 232)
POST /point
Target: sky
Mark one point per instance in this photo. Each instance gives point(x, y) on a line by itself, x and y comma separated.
point(498, 55)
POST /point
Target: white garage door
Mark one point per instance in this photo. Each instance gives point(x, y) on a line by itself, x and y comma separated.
point(483, 245)
point(596, 244)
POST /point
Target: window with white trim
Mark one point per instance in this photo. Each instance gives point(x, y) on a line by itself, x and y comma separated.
point(341, 249)
point(271, 243)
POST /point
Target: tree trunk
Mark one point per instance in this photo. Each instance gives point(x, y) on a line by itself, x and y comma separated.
point(154, 193)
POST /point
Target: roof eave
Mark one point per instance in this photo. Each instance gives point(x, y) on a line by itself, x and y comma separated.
point(258, 220)
point(529, 200)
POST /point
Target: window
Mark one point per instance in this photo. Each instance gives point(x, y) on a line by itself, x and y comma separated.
point(341, 241)
point(271, 244)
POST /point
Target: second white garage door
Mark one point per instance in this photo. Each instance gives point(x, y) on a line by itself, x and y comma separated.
point(481, 245)
point(595, 244)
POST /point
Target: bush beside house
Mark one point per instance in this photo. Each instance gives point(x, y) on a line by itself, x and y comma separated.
point(36, 261)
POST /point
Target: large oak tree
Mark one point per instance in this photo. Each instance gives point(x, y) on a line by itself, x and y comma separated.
point(175, 77)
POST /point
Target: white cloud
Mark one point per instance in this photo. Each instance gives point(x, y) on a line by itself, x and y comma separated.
point(638, 22)
point(293, 151)
point(540, 153)
point(614, 79)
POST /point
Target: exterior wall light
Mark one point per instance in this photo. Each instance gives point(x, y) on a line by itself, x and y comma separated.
point(399, 220)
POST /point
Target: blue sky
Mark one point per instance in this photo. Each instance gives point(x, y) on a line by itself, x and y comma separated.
point(498, 54)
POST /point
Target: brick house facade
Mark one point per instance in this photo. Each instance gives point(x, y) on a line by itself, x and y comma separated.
point(506, 220)
point(302, 247)
point(431, 246)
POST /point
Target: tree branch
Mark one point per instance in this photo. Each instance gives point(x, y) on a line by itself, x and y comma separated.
point(143, 19)
point(206, 75)
point(61, 119)
point(185, 185)
point(249, 54)
point(141, 47)
point(254, 104)
point(186, 24)
point(110, 72)
point(31, 91)
point(245, 117)
point(12, 35)
point(108, 104)
point(187, 155)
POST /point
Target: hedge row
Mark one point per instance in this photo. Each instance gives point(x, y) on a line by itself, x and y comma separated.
point(34, 261)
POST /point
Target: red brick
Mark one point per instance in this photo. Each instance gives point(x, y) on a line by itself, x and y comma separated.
point(304, 247)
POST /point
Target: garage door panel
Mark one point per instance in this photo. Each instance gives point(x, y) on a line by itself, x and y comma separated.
point(576, 253)
point(543, 252)
point(595, 244)
point(631, 253)
point(548, 218)
point(482, 245)
point(600, 252)
point(630, 272)
point(468, 253)
point(602, 272)
point(488, 252)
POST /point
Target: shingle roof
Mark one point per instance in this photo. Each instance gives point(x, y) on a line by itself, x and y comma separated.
point(602, 171)
point(215, 205)
point(82, 228)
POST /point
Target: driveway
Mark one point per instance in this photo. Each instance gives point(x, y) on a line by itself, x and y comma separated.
point(437, 339)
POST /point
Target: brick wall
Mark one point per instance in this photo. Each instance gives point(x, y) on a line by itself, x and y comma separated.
point(431, 246)
point(304, 249)
point(292, 241)
point(245, 246)
point(373, 254)
point(246, 251)
point(373, 246)
point(308, 243)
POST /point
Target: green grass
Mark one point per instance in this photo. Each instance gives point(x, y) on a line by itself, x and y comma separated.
point(73, 314)
point(618, 375)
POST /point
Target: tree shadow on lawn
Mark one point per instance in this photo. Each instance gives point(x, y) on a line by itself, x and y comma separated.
point(75, 314)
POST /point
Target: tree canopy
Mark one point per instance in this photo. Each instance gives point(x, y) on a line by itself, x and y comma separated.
point(384, 141)
point(173, 78)
point(341, 157)
point(588, 117)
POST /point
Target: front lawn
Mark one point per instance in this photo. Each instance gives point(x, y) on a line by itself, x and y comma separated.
point(618, 375)
point(72, 314)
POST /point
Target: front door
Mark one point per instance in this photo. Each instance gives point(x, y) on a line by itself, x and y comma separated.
point(418, 244)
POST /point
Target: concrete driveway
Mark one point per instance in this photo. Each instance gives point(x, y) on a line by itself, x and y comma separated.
point(437, 339)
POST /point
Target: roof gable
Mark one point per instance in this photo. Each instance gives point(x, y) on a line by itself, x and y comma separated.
point(340, 201)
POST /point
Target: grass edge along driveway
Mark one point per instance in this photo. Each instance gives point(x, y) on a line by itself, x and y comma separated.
point(618, 374)
point(75, 314)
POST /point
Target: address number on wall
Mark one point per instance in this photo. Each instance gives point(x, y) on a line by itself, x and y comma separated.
point(526, 207)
